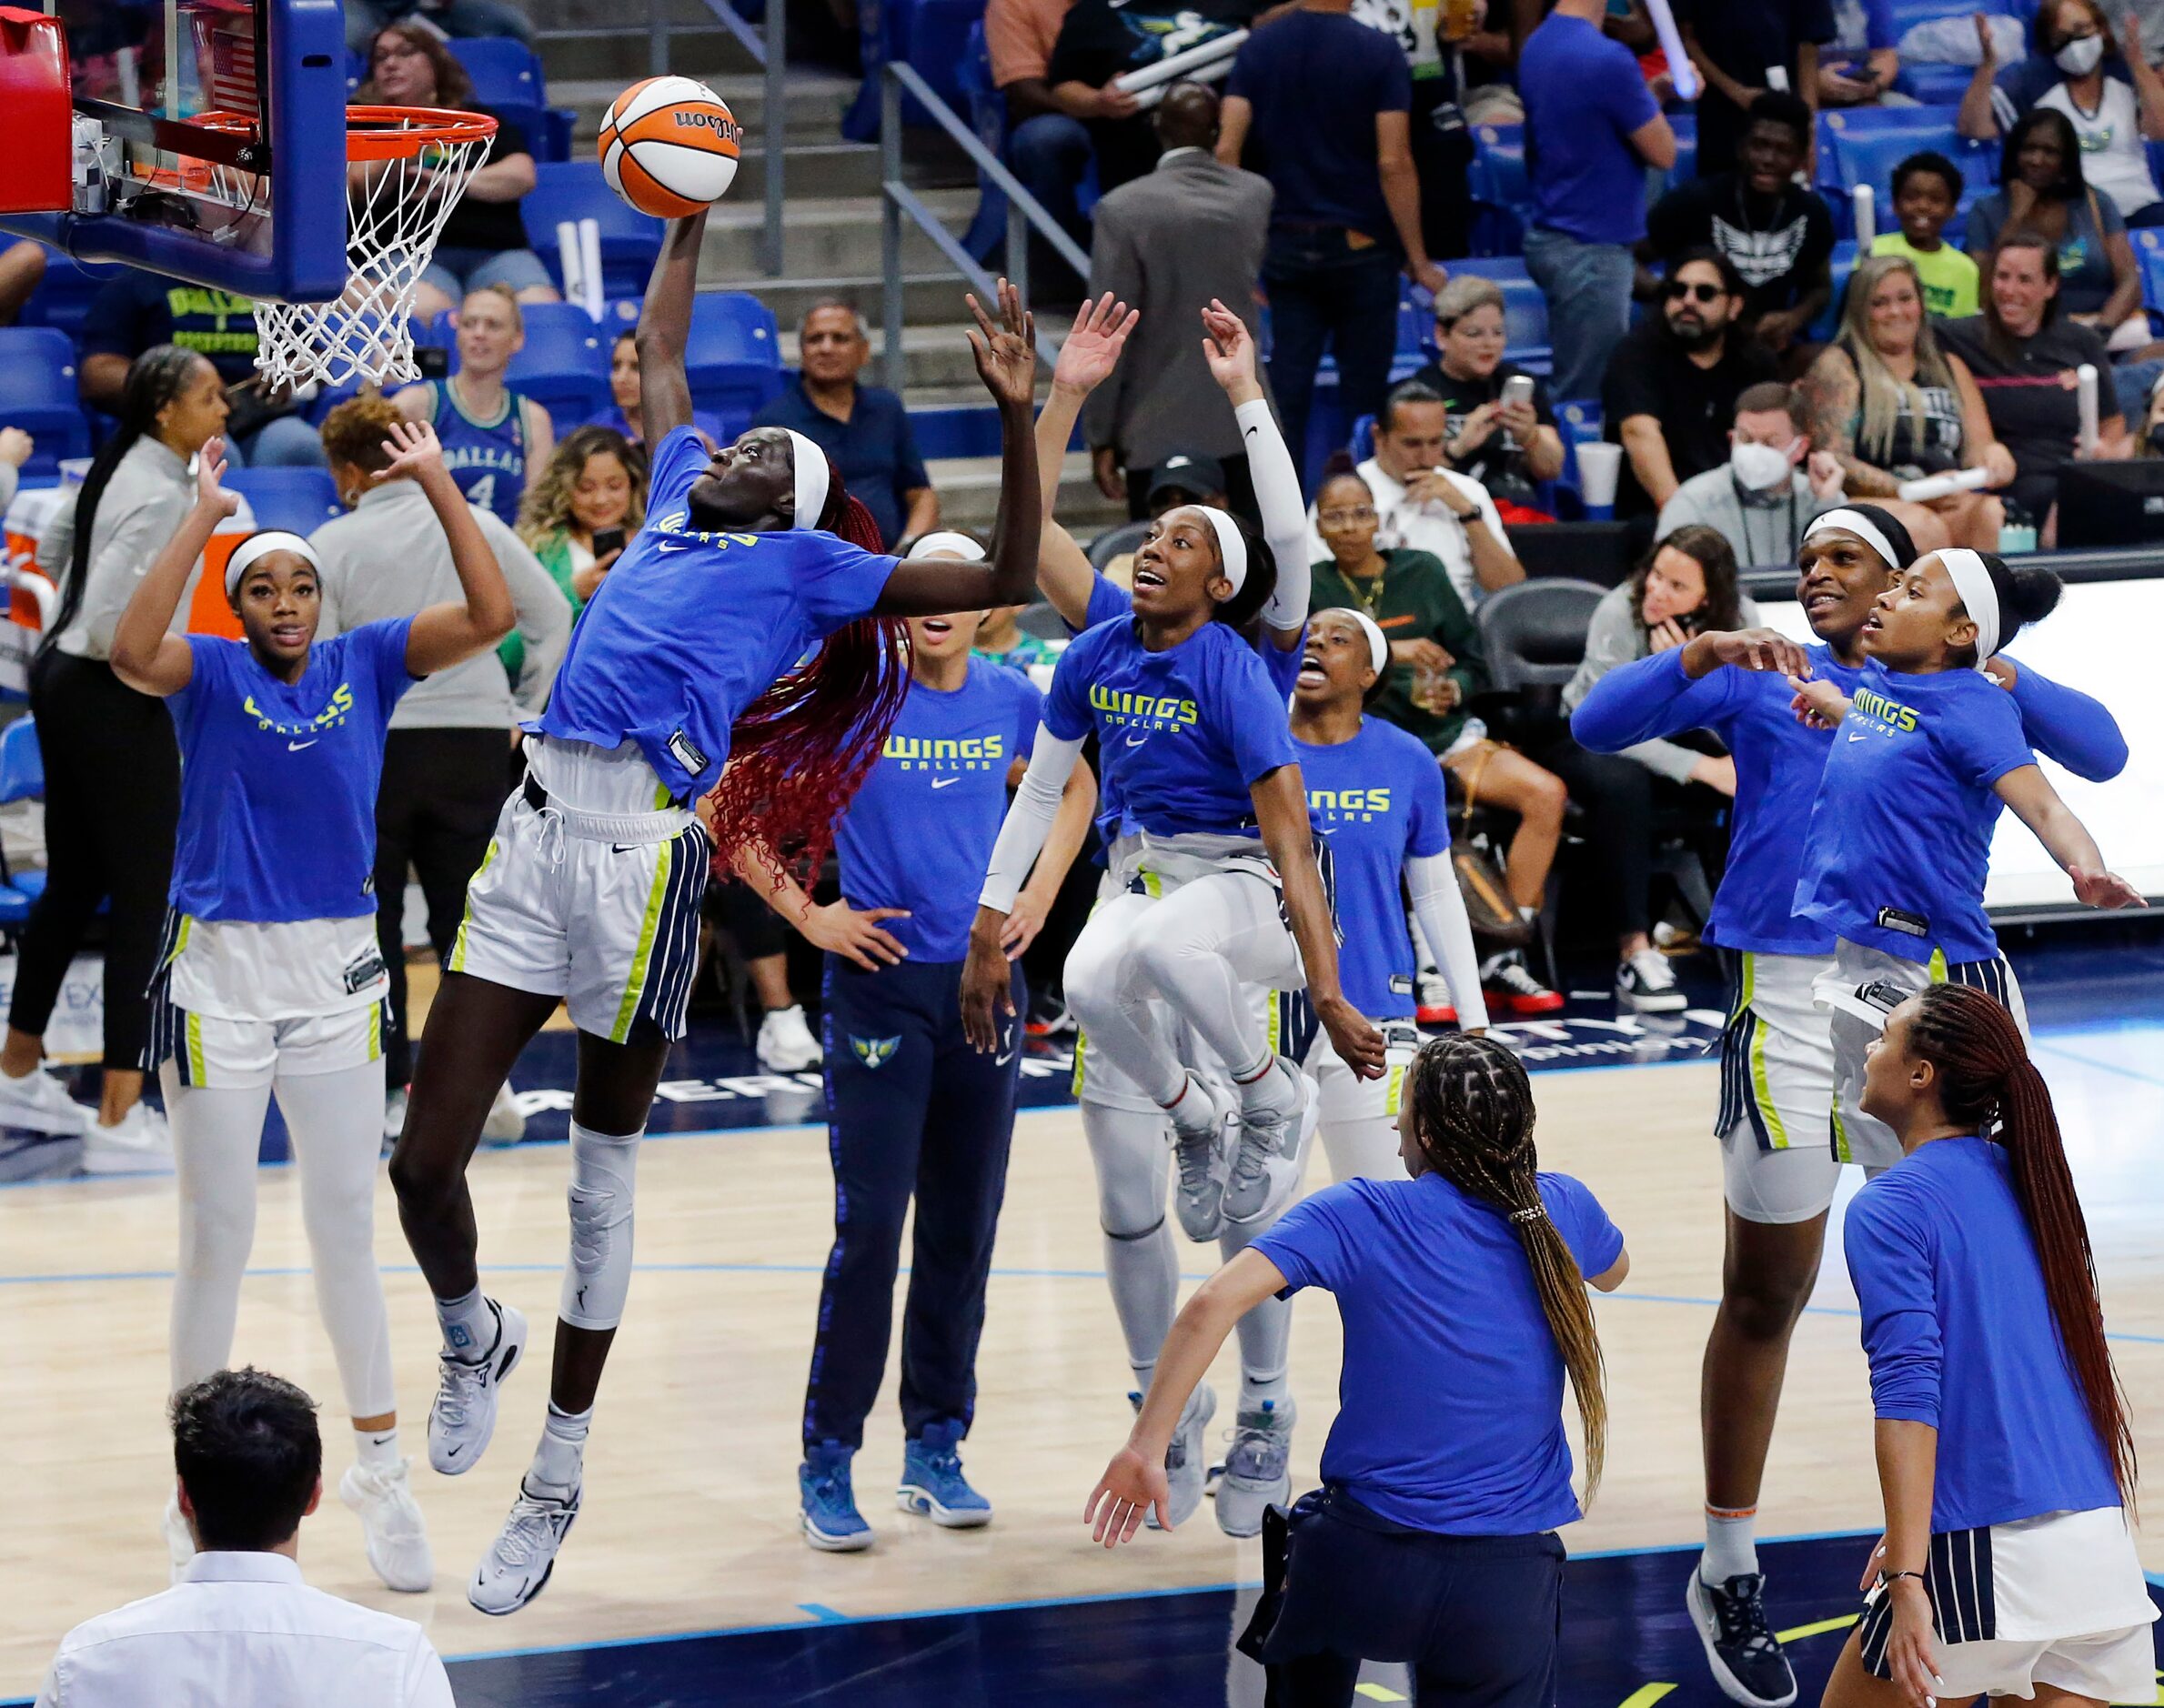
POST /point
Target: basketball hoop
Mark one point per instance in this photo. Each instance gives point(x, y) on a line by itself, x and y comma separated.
point(418, 161)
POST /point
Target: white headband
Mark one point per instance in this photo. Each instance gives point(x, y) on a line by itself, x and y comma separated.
point(1378, 645)
point(1855, 522)
point(257, 545)
point(810, 478)
point(947, 544)
point(1231, 547)
point(1980, 598)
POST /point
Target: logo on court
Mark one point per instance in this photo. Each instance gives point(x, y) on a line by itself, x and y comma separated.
point(875, 1052)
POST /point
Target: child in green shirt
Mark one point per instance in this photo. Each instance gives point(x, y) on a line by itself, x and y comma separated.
point(1927, 190)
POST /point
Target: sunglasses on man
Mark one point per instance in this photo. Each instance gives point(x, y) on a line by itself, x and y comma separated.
point(1678, 289)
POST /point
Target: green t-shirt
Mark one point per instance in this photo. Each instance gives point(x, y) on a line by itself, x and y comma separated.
point(1414, 602)
point(1949, 277)
point(554, 550)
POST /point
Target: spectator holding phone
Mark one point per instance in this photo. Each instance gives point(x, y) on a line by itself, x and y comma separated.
point(576, 518)
point(1500, 427)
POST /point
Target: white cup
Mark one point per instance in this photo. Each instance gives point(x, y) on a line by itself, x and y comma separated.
point(1600, 466)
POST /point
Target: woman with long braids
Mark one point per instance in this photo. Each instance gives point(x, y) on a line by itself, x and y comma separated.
point(752, 617)
point(1431, 1538)
point(2005, 1454)
point(112, 767)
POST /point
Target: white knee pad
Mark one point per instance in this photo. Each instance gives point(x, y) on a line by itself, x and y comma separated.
point(604, 1170)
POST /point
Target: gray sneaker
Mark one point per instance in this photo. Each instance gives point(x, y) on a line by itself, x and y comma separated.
point(1257, 1472)
point(1187, 1460)
point(1199, 1151)
point(1275, 1128)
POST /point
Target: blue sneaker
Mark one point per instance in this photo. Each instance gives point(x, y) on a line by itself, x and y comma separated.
point(933, 1483)
point(831, 1523)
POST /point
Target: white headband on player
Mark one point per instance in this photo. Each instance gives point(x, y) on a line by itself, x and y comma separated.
point(1855, 522)
point(811, 481)
point(1231, 547)
point(1378, 647)
point(271, 540)
point(1980, 598)
point(946, 543)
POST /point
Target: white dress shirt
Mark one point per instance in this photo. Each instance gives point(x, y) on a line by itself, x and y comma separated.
point(243, 1629)
point(1430, 527)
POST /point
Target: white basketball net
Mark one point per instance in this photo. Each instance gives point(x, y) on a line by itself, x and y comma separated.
point(395, 213)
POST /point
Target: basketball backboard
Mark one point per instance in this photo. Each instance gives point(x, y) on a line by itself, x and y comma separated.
point(225, 139)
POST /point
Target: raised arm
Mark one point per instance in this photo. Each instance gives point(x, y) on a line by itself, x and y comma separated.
point(144, 655)
point(665, 329)
point(1280, 814)
point(1006, 356)
point(2037, 804)
point(445, 634)
point(1065, 575)
point(1229, 349)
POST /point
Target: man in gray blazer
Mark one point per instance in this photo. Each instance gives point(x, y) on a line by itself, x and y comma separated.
point(1166, 244)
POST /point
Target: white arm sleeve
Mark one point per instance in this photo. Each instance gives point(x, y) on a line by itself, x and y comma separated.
point(1028, 819)
point(1440, 911)
point(1284, 517)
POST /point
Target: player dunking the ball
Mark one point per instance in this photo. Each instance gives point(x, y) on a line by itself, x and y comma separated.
point(589, 894)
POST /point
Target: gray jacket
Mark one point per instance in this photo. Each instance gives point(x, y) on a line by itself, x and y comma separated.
point(142, 508)
point(1761, 534)
point(388, 557)
point(1166, 244)
point(1615, 639)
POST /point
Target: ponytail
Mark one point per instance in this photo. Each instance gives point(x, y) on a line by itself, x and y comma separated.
point(1473, 1118)
point(154, 380)
point(1986, 1076)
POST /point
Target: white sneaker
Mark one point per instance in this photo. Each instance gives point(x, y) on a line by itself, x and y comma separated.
point(1199, 1153)
point(40, 1103)
point(1434, 1006)
point(1274, 1134)
point(139, 1142)
point(785, 1042)
point(1187, 1459)
point(394, 1116)
point(517, 1566)
point(1648, 983)
point(180, 1547)
point(504, 1124)
point(1257, 1472)
point(463, 1418)
point(397, 1541)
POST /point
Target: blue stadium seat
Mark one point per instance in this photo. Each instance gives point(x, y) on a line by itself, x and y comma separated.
point(2148, 255)
point(37, 394)
point(1686, 126)
point(1842, 264)
point(1934, 86)
point(22, 778)
point(300, 500)
point(1868, 152)
point(1502, 194)
point(733, 358)
point(575, 190)
point(509, 81)
point(565, 363)
point(63, 296)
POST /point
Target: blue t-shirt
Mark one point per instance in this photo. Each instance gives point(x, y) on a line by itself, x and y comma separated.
point(1379, 800)
point(1900, 837)
point(1450, 1402)
point(919, 834)
point(1183, 734)
point(487, 460)
point(874, 449)
point(692, 627)
point(278, 780)
point(1316, 81)
point(1960, 1336)
point(1583, 96)
point(1779, 763)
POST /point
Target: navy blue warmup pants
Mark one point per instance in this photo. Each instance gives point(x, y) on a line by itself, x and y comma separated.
point(911, 1108)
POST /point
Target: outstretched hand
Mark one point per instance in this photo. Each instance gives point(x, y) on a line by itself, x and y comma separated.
point(1006, 352)
point(1229, 349)
point(210, 467)
point(1093, 348)
point(1766, 649)
point(414, 450)
point(1129, 1488)
point(2104, 889)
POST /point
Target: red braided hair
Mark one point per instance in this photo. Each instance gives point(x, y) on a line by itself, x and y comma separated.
point(802, 750)
point(1984, 1076)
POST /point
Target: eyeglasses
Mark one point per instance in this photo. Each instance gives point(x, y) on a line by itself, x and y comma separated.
point(1347, 518)
point(1677, 289)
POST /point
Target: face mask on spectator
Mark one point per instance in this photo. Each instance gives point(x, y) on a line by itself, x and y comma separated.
point(2079, 58)
point(1757, 467)
point(2156, 438)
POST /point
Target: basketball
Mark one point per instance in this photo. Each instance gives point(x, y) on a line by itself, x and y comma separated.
point(669, 146)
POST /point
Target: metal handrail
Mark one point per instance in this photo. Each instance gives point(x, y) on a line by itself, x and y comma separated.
point(1024, 213)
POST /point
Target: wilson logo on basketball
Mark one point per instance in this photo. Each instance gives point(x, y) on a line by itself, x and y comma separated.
point(707, 119)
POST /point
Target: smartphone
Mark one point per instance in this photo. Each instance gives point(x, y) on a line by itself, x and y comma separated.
point(1518, 389)
point(606, 540)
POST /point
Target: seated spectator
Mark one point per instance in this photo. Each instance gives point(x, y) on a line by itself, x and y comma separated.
point(1778, 235)
point(1507, 446)
point(1047, 137)
point(17, 447)
point(240, 1625)
point(2042, 190)
point(22, 269)
point(457, 18)
point(491, 434)
point(1000, 640)
point(1423, 505)
point(1435, 669)
point(484, 240)
point(593, 486)
point(864, 429)
point(1670, 394)
point(1772, 488)
point(1858, 66)
point(1891, 406)
point(2111, 102)
point(1325, 99)
point(1102, 40)
point(623, 414)
point(1592, 128)
point(134, 311)
point(2024, 353)
point(1686, 583)
point(1735, 47)
point(1927, 190)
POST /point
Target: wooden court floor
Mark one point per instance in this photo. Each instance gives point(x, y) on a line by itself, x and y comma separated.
point(690, 1515)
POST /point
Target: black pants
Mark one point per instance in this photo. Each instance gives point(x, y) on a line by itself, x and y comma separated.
point(1328, 290)
point(435, 809)
point(111, 809)
point(1478, 1618)
point(1615, 796)
point(911, 1108)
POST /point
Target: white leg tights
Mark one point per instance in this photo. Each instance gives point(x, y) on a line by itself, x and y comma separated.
point(216, 1138)
point(1265, 1335)
point(1142, 1263)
